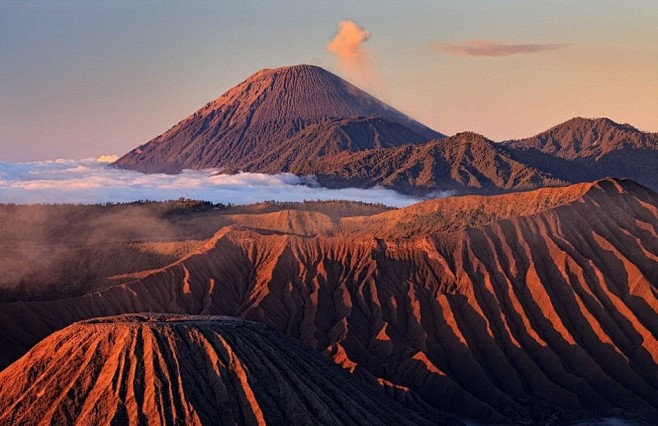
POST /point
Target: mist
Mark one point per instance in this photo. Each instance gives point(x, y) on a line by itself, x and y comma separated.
point(90, 181)
point(47, 251)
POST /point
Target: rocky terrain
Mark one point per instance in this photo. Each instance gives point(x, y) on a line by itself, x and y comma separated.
point(193, 370)
point(531, 307)
point(466, 162)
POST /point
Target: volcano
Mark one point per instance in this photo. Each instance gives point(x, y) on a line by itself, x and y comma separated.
point(252, 119)
point(168, 369)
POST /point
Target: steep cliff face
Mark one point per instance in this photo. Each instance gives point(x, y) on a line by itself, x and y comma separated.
point(193, 370)
point(252, 120)
point(529, 307)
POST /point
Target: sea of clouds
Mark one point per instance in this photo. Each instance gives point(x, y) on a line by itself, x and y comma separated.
point(93, 181)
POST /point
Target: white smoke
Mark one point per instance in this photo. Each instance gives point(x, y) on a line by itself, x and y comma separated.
point(348, 46)
point(354, 58)
point(90, 182)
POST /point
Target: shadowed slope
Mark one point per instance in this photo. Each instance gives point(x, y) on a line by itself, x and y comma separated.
point(587, 149)
point(332, 137)
point(163, 369)
point(466, 162)
point(257, 115)
point(542, 309)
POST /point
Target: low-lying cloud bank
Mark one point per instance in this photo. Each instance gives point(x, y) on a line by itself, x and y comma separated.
point(90, 182)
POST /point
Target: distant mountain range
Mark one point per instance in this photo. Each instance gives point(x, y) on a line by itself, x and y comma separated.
point(305, 120)
point(588, 149)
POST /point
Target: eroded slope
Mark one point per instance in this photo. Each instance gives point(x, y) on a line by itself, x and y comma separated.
point(164, 369)
point(534, 315)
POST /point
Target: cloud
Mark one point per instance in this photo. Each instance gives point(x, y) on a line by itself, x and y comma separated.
point(348, 47)
point(89, 182)
point(492, 48)
point(107, 158)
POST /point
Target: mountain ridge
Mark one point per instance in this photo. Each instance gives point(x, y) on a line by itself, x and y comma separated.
point(466, 162)
point(305, 120)
point(587, 149)
point(586, 137)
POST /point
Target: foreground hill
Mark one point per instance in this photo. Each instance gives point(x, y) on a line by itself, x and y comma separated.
point(534, 307)
point(583, 149)
point(257, 116)
point(193, 370)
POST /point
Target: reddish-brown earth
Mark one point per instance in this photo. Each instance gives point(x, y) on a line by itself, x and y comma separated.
point(533, 307)
point(195, 370)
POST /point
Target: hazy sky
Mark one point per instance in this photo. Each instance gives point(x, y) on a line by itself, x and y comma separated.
point(84, 78)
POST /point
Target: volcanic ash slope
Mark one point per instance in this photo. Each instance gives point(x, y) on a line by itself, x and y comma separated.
point(162, 369)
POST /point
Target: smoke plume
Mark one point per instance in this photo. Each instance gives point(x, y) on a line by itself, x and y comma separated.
point(354, 59)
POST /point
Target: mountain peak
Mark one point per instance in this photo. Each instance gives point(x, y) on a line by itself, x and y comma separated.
point(298, 68)
point(587, 137)
point(470, 137)
point(596, 123)
point(266, 109)
point(298, 73)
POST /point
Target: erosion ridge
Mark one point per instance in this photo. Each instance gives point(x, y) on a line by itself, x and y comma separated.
point(460, 212)
point(538, 314)
point(174, 369)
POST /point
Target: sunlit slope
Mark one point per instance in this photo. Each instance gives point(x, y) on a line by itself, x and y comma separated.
point(522, 314)
point(193, 370)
